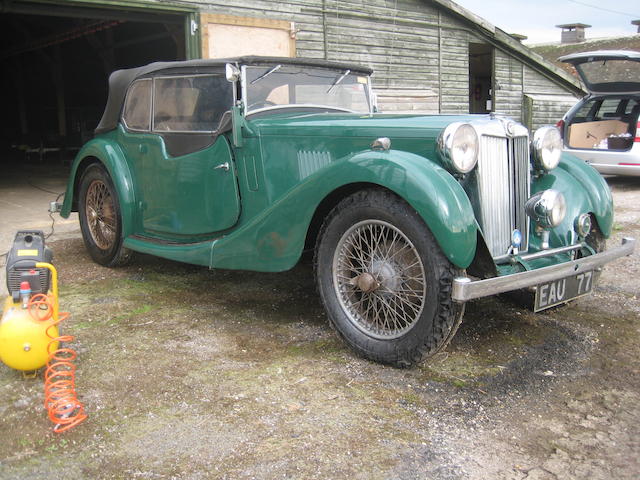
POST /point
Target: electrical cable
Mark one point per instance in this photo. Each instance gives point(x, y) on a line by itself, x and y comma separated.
point(31, 184)
point(53, 221)
point(603, 9)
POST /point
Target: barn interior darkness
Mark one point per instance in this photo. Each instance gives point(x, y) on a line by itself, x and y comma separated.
point(480, 78)
point(55, 66)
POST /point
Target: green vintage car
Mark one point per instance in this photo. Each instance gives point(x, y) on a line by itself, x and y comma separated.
point(245, 163)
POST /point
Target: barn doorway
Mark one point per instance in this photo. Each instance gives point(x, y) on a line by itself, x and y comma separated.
point(56, 60)
point(480, 78)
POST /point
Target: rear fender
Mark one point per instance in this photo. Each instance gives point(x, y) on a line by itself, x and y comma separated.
point(109, 154)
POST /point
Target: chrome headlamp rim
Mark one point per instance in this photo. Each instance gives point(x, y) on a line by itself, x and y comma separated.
point(547, 208)
point(583, 225)
point(546, 148)
point(459, 146)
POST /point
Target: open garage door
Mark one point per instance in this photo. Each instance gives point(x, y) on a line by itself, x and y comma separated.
point(56, 59)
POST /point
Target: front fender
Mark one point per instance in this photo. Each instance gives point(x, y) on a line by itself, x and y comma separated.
point(431, 191)
point(275, 239)
point(597, 189)
point(109, 154)
point(585, 191)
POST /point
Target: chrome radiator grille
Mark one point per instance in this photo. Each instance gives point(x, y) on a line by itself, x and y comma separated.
point(503, 188)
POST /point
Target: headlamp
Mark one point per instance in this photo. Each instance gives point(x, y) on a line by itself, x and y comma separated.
point(546, 148)
point(458, 145)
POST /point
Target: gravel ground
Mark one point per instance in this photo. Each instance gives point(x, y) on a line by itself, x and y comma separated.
point(188, 373)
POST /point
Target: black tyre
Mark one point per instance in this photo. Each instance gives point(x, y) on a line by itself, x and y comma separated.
point(598, 242)
point(100, 218)
point(384, 281)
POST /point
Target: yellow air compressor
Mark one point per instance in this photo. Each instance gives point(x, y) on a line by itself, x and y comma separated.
point(24, 340)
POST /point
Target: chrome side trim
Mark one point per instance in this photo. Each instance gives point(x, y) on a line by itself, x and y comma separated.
point(465, 289)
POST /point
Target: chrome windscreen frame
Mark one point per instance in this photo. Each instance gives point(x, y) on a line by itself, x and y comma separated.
point(244, 93)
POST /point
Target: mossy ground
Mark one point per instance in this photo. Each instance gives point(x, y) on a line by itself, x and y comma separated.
point(191, 373)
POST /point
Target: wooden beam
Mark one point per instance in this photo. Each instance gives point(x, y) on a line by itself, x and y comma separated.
point(151, 13)
point(58, 38)
point(58, 80)
point(104, 50)
point(18, 84)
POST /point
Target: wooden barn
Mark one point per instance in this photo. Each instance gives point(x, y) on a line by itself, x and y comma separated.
point(429, 56)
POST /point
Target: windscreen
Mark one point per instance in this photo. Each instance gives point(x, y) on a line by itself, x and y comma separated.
point(287, 85)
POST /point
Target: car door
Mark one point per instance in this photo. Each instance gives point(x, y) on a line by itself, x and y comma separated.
point(183, 168)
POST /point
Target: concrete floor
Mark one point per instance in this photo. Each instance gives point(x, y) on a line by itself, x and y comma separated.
point(25, 193)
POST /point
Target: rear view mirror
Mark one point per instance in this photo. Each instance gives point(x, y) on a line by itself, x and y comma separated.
point(232, 72)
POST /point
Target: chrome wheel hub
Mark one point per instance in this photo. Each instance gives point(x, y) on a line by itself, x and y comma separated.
point(388, 275)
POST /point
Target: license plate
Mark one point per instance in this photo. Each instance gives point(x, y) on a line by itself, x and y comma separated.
point(560, 291)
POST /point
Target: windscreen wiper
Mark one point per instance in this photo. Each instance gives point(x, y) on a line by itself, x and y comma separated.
point(266, 74)
point(338, 80)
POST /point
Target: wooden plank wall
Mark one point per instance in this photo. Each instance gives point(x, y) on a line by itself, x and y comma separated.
point(419, 52)
point(539, 110)
point(526, 95)
point(549, 102)
point(399, 40)
point(508, 78)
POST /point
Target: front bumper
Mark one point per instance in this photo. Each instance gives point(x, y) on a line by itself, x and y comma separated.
point(465, 289)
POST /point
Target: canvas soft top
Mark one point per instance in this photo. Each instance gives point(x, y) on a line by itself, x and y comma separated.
point(120, 80)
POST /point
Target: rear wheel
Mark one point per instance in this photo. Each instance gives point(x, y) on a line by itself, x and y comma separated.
point(384, 281)
point(100, 218)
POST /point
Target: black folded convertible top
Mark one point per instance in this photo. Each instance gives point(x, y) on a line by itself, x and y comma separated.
point(120, 80)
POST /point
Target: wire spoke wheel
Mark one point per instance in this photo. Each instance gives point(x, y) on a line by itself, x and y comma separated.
point(384, 281)
point(379, 279)
point(100, 217)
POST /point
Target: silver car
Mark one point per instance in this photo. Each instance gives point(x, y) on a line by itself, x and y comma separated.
point(602, 128)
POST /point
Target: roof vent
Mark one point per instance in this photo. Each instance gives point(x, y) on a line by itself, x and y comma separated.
point(573, 32)
point(518, 37)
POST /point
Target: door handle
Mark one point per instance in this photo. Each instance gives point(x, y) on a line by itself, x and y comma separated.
point(224, 166)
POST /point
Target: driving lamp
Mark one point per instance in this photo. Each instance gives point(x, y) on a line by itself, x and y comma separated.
point(583, 225)
point(458, 146)
point(546, 148)
point(547, 208)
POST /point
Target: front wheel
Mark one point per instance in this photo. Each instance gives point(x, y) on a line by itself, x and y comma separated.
point(384, 281)
point(100, 218)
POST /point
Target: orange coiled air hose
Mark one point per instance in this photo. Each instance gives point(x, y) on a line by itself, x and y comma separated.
point(60, 399)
